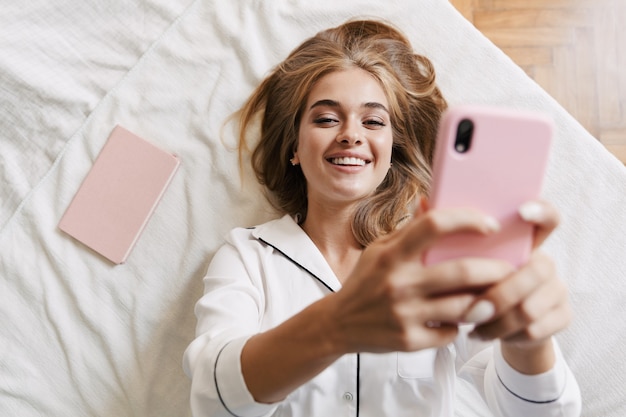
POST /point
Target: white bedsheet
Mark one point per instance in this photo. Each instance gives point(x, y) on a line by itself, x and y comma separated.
point(81, 337)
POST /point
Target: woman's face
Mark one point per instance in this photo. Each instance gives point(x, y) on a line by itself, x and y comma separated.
point(345, 138)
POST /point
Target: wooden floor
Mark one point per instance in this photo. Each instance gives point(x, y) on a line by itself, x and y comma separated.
point(574, 49)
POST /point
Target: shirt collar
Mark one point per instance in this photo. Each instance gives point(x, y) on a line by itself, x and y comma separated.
point(287, 237)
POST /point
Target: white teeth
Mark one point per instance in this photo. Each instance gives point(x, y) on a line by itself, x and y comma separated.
point(347, 161)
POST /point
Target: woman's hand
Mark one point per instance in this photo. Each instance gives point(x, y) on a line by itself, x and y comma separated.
point(530, 305)
point(392, 302)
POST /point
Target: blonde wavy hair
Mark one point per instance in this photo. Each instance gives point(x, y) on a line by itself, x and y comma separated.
point(416, 104)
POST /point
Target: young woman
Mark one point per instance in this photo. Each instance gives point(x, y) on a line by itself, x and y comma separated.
point(328, 311)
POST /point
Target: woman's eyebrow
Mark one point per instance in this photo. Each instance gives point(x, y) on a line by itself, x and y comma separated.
point(333, 103)
point(325, 102)
point(375, 105)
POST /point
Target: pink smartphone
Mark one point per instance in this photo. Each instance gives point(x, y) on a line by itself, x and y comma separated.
point(493, 160)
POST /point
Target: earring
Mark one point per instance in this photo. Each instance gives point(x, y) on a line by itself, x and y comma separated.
point(293, 161)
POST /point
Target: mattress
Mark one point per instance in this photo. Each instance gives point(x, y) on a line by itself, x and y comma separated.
point(83, 337)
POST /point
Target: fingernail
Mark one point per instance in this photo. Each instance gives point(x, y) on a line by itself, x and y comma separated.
point(531, 212)
point(481, 312)
point(493, 225)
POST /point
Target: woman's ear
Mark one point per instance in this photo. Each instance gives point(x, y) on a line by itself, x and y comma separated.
point(295, 160)
point(422, 206)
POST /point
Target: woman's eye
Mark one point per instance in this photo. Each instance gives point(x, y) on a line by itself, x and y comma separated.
point(374, 123)
point(325, 120)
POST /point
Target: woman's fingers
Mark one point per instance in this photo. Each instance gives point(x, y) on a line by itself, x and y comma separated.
point(543, 215)
point(433, 311)
point(428, 227)
point(428, 322)
point(463, 275)
point(424, 230)
point(517, 287)
point(548, 325)
point(530, 305)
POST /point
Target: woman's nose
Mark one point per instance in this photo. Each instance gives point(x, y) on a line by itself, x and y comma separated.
point(349, 135)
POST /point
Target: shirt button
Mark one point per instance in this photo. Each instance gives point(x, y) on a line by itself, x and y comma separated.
point(348, 396)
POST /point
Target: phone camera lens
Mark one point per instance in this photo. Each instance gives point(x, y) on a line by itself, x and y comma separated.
point(464, 134)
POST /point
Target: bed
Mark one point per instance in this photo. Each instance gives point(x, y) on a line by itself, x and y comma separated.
point(81, 336)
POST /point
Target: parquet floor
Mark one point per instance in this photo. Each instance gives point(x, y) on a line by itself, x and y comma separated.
point(574, 49)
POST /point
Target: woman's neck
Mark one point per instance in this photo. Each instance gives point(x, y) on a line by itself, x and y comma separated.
point(330, 229)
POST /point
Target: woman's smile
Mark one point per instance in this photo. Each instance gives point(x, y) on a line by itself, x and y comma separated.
point(348, 161)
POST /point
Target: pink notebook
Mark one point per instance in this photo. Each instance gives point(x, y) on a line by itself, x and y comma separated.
point(119, 194)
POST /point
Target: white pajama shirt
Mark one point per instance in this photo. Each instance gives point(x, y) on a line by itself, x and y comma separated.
point(264, 275)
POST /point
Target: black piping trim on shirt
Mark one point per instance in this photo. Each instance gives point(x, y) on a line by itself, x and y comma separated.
point(358, 383)
point(526, 399)
point(358, 356)
point(297, 264)
point(217, 387)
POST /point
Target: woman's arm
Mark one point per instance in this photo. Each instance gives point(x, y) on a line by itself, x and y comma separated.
point(389, 303)
point(278, 361)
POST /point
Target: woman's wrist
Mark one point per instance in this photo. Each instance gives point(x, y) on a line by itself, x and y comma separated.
point(332, 338)
point(529, 358)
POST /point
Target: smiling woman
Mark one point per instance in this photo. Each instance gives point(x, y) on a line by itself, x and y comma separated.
point(412, 100)
point(330, 310)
